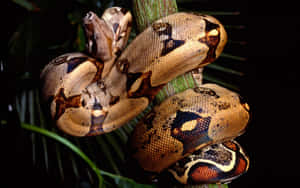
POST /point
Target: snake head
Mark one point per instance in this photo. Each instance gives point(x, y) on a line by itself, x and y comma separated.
point(99, 37)
point(107, 36)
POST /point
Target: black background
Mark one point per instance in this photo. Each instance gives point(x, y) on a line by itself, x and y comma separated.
point(271, 87)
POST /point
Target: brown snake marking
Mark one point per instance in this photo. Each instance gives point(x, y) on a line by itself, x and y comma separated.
point(63, 102)
point(145, 88)
point(169, 44)
point(190, 138)
point(211, 41)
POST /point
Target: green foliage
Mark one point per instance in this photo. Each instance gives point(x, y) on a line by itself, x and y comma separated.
point(25, 4)
point(50, 28)
point(119, 180)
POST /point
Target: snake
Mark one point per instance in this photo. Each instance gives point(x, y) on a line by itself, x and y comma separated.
point(190, 134)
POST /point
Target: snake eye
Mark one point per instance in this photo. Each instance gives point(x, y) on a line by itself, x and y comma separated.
point(89, 15)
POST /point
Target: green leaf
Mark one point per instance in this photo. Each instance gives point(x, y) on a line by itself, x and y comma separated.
point(125, 182)
point(74, 165)
point(225, 69)
point(59, 161)
point(122, 135)
point(43, 124)
point(108, 155)
point(67, 143)
point(234, 57)
point(25, 4)
point(115, 146)
point(221, 82)
point(23, 42)
point(80, 40)
point(30, 105)
point(119, 180)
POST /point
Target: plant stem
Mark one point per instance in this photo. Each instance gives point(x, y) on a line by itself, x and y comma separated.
point(147, 11)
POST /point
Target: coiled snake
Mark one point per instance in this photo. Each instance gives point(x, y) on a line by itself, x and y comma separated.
point(189, 133)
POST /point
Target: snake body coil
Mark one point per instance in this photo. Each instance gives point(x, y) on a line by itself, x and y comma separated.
point(186, 122)
point(98, 94)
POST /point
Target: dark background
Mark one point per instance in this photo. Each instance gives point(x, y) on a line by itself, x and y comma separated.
point(270, 86)
point(273, 89)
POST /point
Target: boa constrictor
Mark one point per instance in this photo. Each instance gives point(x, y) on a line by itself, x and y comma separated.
point(96, 94)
